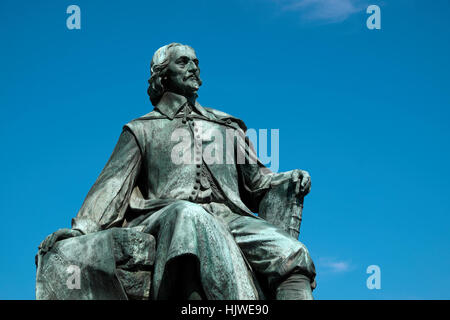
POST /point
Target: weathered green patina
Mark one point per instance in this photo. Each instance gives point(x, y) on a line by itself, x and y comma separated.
point(186, 176)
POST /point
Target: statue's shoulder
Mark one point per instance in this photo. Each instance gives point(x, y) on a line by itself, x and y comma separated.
point(152, 115)
point(228, 118)
point(145, 120)
point(141, 126)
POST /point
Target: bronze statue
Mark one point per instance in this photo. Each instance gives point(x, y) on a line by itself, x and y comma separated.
point(197, 205)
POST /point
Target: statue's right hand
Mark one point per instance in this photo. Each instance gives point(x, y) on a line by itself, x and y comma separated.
point(61, 234)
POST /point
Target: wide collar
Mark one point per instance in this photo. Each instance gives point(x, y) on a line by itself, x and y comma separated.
point(171, 103)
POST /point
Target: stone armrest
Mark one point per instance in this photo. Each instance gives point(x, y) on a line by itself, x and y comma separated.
point(113, 264)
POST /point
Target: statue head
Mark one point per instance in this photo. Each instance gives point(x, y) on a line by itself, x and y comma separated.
point(174, 68)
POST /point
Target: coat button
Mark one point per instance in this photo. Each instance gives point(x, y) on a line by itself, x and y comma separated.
point(205, 183)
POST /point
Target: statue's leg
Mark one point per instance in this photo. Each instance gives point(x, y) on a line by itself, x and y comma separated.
point(278, 257)
point(194, 245)
point(295, 287)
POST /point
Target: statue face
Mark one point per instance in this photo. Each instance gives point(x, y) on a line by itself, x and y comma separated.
point(183, 73)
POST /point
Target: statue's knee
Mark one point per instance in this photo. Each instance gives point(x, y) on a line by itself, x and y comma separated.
point(307, 265)
point(302, 250)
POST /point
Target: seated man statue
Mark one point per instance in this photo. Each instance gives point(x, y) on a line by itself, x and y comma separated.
point(188, 176)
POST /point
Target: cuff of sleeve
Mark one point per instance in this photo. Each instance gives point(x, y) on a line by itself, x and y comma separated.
point(85, 225)
point(280, 178)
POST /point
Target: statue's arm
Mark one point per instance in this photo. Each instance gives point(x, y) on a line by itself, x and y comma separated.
point(256, 179)
point(108, 199)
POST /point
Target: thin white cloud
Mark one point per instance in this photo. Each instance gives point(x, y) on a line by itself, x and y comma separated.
point(340, 266)
point(333, 265)
point(325, 11)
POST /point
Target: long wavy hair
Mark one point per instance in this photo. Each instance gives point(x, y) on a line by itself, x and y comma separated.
point(158, 70)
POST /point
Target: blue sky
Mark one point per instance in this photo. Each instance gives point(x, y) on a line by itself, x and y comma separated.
point(366, 112)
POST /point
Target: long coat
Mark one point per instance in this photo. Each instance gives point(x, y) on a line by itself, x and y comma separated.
point(161, 158)
point(141, 174)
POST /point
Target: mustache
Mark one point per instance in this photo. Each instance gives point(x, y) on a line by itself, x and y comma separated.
point(196, 76)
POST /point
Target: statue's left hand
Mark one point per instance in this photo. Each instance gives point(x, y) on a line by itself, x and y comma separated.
point(61, 234)
point(303, 182)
